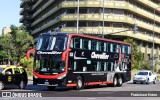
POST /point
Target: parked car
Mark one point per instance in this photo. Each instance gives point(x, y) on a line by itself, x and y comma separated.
point(13, 75)
point(145, 76)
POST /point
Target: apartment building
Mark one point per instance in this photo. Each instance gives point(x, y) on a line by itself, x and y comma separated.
point(61, 15)
point(5, 30)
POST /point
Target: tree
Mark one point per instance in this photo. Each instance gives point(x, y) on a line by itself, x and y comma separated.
point(7, 46)
point(15, 44)
point(21, 40)
point(137, 56)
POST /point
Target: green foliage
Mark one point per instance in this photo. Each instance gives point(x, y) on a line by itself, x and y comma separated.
point(27, 63)
point(137, 56)
point(15, 44)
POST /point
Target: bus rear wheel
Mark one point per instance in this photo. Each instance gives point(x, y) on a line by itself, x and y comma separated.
point(80, 84)
point(114, 84)
point(119, 81)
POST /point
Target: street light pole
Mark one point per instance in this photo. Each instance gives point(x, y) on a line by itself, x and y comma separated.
point(78, 17)
point(103, 21)
point(153, 60)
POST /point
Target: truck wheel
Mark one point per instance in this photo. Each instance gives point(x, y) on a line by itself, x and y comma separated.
point(134, 82)
point(119, 81)
point(147, 81)
point(1, 85)
point(80, 84)
point(154, 82)
point(22, 85)
point(51, 87)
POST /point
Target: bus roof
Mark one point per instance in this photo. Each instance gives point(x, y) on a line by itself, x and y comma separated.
point(56, 33)
point(84, 35)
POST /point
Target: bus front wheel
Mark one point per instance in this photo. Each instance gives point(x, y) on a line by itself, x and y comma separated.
point(51, 87)
point(80, 84)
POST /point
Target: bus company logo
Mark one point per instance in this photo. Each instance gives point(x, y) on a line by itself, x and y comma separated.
point(53, 52)
point(6, 94)
point(99, 56)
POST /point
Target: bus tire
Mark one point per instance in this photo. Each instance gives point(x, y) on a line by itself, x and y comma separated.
point(80, 84)
point(51, 88)
point(119, 81)
point(114, 84)
point(1, 85)
point(114, 81)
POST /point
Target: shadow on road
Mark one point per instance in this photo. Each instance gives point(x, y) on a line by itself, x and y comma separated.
point(44, 88)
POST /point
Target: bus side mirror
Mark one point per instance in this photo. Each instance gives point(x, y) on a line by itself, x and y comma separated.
point(64, 54)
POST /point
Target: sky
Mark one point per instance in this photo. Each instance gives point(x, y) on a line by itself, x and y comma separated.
point(9, 13)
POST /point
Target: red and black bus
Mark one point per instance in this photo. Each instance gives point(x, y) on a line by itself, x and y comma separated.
point(78, 60)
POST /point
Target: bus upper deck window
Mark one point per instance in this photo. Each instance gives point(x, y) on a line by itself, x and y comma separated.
point(111, 47)
point(76, 42)
point(89, 45)
point(71, 44)
point(129, 50)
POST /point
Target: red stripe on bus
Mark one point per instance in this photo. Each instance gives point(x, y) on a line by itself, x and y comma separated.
point(95, 83)
point(48, 76)
point(69, 85)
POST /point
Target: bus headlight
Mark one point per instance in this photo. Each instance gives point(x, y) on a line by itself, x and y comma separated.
point(35, 76)
point(61, 77)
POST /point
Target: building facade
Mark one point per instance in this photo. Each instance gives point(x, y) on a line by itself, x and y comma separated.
point(61, 15)
point(5, 30)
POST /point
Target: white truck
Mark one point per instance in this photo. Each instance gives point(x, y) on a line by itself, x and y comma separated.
point(145, 76)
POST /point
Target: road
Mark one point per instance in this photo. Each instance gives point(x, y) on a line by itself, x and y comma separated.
point(128, 90)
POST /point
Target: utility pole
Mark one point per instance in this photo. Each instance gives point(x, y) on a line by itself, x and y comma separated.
point(78, 17)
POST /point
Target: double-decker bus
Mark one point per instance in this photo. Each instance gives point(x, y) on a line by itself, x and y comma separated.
point(78, 60)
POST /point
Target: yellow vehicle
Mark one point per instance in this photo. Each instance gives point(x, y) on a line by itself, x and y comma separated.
point(13, 75)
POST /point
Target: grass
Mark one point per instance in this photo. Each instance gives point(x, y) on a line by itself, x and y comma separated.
point(158, 77)
point(133, 73)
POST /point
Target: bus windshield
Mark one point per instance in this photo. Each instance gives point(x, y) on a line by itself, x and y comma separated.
point(49, 64)
point(51, 42)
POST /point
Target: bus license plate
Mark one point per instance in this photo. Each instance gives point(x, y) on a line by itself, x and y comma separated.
point(46, 83)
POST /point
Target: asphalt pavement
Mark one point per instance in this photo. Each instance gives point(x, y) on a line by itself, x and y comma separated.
point(103, 92)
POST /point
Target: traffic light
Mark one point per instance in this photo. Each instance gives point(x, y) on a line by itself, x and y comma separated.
point(135, 29)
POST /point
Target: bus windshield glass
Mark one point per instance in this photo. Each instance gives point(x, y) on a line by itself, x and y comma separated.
point(51, 42)
point(49, 64)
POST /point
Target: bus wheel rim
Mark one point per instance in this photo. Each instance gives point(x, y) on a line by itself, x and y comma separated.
point(120, 81)
point(115, 81)
point(79, 83)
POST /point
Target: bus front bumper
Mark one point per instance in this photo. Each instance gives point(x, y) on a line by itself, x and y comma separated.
point(49, 82)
